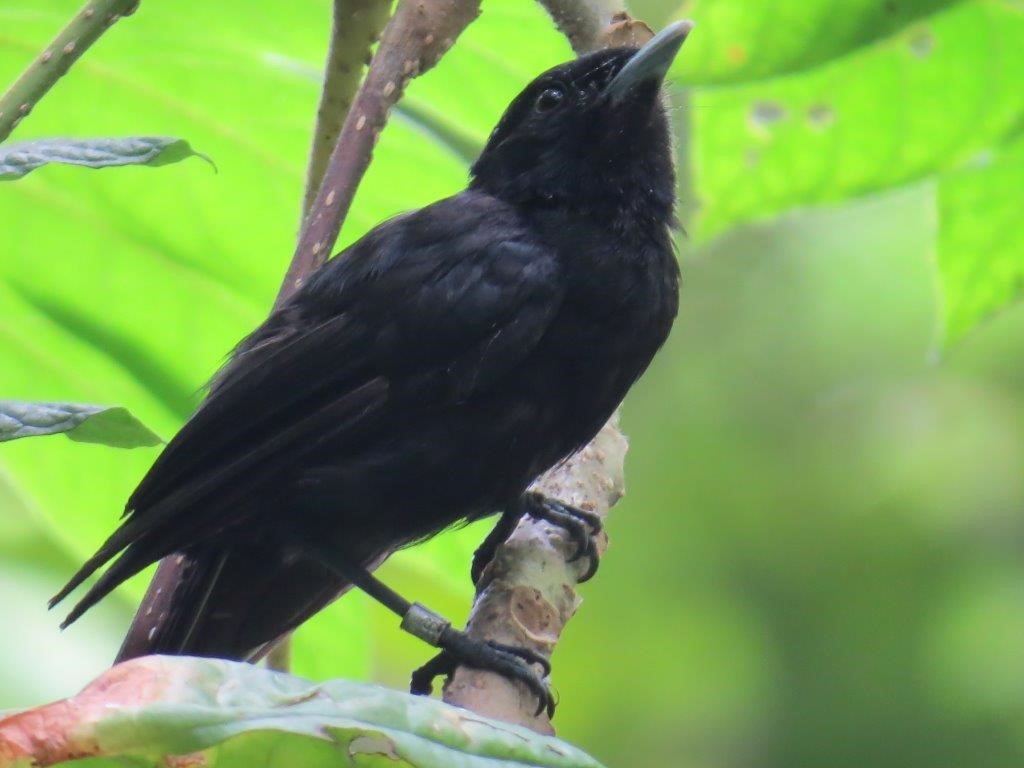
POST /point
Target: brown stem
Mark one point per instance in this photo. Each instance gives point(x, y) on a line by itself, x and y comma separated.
point(414, 40)
point(65, 49)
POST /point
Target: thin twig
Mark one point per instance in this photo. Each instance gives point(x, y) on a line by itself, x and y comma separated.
point(528, 591)
point(414, 40)
point(356, 26)
point(72, 41)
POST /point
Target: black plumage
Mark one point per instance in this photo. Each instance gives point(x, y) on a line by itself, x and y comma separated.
point(423, 377)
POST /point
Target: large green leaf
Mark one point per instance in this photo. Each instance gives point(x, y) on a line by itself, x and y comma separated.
point(926, 99)
point(740, 40)
point(981, 239)
point(157, 710)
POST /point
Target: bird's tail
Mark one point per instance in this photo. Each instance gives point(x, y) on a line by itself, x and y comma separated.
point(227, 603)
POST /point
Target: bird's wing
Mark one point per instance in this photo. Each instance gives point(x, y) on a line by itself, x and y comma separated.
point(421, 313)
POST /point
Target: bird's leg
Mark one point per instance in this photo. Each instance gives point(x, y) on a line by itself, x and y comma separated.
point(457, 648)
point(502, 530)
point(582, 527)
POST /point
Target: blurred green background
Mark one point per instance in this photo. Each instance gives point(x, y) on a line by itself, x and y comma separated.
point(820, 560)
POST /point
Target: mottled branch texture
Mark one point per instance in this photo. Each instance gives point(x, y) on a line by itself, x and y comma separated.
point(356, 26)
point(528, 592)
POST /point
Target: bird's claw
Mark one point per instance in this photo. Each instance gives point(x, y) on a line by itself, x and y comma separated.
point(509, 661)
point(581, 526)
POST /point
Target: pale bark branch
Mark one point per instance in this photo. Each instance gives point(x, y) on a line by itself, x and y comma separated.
point(593, 24)
point(55, 60)
point(528, 592)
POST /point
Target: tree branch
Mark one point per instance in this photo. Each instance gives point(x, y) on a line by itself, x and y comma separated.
point(65, 49)
point(415, 38)
point(528, 592)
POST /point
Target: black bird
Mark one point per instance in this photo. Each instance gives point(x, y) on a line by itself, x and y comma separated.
point(423, 377)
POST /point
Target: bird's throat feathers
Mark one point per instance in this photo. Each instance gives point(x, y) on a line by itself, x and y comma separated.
point(625, 178)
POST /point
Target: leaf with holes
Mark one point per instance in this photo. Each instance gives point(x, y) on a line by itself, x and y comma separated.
point(107, 425)
point(881, 117)
point(739, 40)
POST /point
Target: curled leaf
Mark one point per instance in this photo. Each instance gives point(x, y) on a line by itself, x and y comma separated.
point(21, 158)
point(113, 426)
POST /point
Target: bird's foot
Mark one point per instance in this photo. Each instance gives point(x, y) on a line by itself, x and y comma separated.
point(459, 649)
point(582, 526)
point(513, 663)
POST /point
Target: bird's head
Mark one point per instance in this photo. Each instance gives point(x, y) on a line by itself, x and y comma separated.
point(591, 135)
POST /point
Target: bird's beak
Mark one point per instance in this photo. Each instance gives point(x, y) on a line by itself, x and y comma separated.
point(651, 62)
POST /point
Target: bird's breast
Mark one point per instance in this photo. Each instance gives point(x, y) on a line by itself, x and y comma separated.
point(617, 312)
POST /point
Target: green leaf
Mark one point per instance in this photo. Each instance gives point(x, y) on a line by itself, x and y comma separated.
point(107, 425)
point(237, 715)
point(922, 101)
point(21, 158)
point(981, 240)
point(739, 40)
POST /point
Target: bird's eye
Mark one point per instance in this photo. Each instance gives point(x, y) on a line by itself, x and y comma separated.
point(550, 99)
